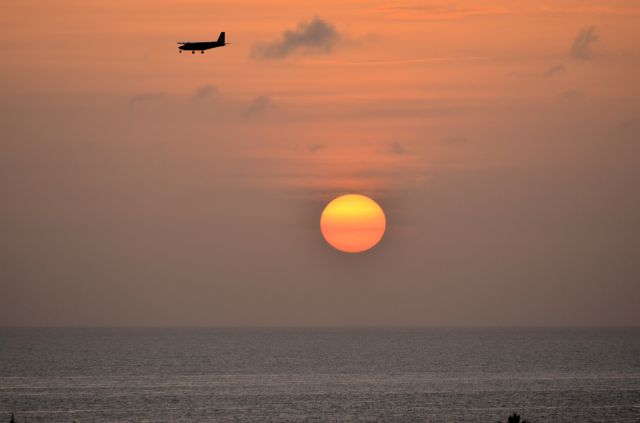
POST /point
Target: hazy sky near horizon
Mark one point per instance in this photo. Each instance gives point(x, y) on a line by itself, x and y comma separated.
point(145, 187)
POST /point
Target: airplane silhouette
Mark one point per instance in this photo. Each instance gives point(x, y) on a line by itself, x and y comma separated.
point(202, 45)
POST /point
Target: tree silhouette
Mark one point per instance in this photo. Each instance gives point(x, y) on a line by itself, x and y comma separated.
point(515, 418)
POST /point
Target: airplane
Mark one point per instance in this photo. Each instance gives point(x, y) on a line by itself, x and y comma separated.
point(202, 45)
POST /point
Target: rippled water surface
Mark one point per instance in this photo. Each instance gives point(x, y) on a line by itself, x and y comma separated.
point(319, 375)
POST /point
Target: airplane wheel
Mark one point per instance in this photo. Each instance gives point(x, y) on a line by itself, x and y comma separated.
point(193, 52)
point(179, 51)
point(202, 52)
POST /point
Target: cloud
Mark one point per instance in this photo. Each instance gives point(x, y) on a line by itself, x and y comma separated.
point(629, 131)
point(317, 36)
point(314, 148)
point(631, 124)
point(582, 48)
point(204, 93)
point(548, 73)
point(457, 139)
point(573, 95)
point(259, 105)
point(147, 97)
point(397, 149)
point(554, 70)
point(435, 12)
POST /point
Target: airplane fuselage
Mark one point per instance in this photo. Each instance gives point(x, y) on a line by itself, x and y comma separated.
point(201, 46)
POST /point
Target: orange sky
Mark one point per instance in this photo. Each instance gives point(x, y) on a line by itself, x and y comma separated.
point(416, 68)
point(499, 137)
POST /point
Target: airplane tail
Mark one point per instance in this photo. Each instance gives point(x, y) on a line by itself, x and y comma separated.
point(221, 38)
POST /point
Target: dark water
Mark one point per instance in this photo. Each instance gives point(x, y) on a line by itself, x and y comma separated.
point(319, 375)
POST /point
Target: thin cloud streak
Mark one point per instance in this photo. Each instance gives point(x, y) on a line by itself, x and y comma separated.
point(147, 97)
point(314, 148)
point(433, 12)
point(205, 92)
point(417, 12)
point(415, 61)
point(582, 47)
point(573, 95)
point(554, 70)
point(258, 106)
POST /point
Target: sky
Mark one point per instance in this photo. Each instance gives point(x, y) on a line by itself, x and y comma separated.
point(144, 187)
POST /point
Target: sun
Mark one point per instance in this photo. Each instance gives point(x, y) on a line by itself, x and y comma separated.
point(352, 223)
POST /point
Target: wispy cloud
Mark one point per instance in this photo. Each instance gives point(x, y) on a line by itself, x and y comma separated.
point(317, 36)
point(314, 148)
point(630, 124)
point(147, 97)
point(397, 148)
point(205, 93)
point(455, 139)
point(550, 72)
point(582, 47)
point(393, 62)
point(573, 95)
point(437, 12)
point(554, 70)
point(258, 106)
point(444, 11)
point(362, 170)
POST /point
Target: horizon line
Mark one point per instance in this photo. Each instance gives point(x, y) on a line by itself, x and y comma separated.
point(240, 327)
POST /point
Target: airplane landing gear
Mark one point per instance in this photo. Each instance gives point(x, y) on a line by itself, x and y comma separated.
point(193, 52)
point(179, 51)
point(202, 52)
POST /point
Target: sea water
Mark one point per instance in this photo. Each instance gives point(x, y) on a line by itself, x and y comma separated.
point(319, 375)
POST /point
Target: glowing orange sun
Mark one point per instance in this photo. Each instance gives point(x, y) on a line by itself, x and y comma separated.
point(352, 223)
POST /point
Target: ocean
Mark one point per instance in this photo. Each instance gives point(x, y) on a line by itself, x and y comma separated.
point(319, 375)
